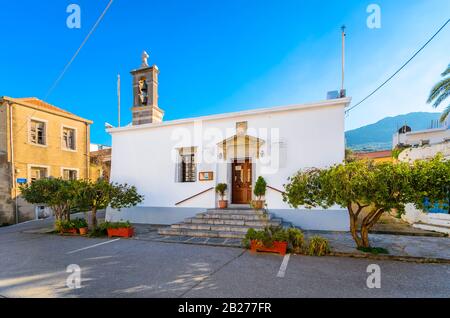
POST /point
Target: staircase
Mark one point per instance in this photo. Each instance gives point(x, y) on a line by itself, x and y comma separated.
point(437, 222)
point(222, 223)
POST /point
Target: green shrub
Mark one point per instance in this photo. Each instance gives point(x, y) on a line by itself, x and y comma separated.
point(220, 189)
point(318, 246)
point(115, 225)
point(270, 234)
point(260, 187)
point(296, 239)
point(374, 250)
point(64, 225)
point(80, 223)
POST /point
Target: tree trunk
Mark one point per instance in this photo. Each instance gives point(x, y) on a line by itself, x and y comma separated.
point(353, 230)
point(365, 235)
point(94, 219)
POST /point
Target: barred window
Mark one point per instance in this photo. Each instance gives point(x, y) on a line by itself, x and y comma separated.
point(187, 170)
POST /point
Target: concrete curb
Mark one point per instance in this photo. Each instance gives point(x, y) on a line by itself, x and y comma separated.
point(413, 259)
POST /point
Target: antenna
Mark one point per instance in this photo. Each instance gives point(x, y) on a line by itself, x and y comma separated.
point(118, 99)
point(343, 61)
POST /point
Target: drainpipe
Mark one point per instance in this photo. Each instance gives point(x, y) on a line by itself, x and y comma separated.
point(87, 150)
point(13, 172)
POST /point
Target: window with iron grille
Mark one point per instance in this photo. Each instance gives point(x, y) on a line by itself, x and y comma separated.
point(37, 132)
point(69, 138)
point(188, 168)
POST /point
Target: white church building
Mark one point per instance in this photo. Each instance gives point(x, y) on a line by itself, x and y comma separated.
point(177, 164)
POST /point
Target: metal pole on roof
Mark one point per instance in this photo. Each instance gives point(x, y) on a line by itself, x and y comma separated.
point(118, 98)
point(343, 57)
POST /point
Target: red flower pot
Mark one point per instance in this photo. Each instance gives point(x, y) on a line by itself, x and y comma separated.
point(121, 232)
point(223, 204)
point(277, 247)
point(83, 230)
point(69, 231)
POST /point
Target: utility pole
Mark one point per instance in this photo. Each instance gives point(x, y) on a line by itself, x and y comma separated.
point(343, 61)
point(118, 98)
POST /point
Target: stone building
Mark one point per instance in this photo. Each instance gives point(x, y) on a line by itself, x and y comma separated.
point(37, 140)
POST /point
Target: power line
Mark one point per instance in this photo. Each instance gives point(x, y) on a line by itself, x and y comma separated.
point(398, 71)
point(78, 50)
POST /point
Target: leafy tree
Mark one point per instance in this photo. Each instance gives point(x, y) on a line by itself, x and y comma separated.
point(358, 185)
point(56, 193)
point(97, 195)
point(430, 179)
point(440, 92)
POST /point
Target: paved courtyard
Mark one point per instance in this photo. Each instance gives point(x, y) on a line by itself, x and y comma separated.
point(34, 265)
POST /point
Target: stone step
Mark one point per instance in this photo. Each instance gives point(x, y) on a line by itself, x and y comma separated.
point(438, 221)
point(435, 228)
point(234, 216)
point(262, 223)
point(215, 227)
point(236, 211)
point(200, 233)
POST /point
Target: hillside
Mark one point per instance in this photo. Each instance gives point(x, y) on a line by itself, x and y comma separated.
point(378, 136)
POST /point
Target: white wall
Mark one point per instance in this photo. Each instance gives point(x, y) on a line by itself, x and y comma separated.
point(311, 137)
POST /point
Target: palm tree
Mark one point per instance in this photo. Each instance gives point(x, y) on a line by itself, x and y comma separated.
point(440, 92)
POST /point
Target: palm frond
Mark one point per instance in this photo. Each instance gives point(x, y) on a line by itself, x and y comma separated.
point(446, 72)
point(441, 86)
point(442, 97)
point(444, 114)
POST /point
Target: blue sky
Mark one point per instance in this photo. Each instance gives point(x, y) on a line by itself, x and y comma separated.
point(220, 56)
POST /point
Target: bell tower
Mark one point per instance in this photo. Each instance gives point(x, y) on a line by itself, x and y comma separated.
point(145, 94)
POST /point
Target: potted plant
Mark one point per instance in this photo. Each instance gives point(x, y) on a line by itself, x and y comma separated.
point(220, 189)
point(121, 229)
point(271, 239)
point(65, 226)
point(81, 225)
point(259, 192)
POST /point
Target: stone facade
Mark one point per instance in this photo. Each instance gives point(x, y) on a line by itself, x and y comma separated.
point(145, 96)
point(53, 156)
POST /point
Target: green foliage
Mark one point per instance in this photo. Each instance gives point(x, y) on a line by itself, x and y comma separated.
point(430, 178)
point(80, 223)
point(64, 225)
point(377, 188)
point(296, 239)
point(440, 92)
point(58, 194)
point(260, 187)
point(397, 151)
point(318, 246)
point(374, 250)
point(221, 188)
point(115, 225)
point(270, 234)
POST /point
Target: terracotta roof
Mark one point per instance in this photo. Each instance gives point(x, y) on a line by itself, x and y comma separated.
point(374, 154)
point(33, 101)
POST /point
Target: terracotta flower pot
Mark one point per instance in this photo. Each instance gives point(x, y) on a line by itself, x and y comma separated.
point(223, 204)
point(277, 247)
point(121, 232)
point(83, 230)
point(258, 204)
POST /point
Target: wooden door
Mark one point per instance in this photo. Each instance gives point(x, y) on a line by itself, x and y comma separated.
point(241, 181)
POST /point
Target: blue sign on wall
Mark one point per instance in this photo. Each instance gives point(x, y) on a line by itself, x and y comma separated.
point(21, 180)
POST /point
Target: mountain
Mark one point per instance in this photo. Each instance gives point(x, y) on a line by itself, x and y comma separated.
point(378, 136)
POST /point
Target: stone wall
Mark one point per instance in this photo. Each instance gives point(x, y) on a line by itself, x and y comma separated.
point(6, 204)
